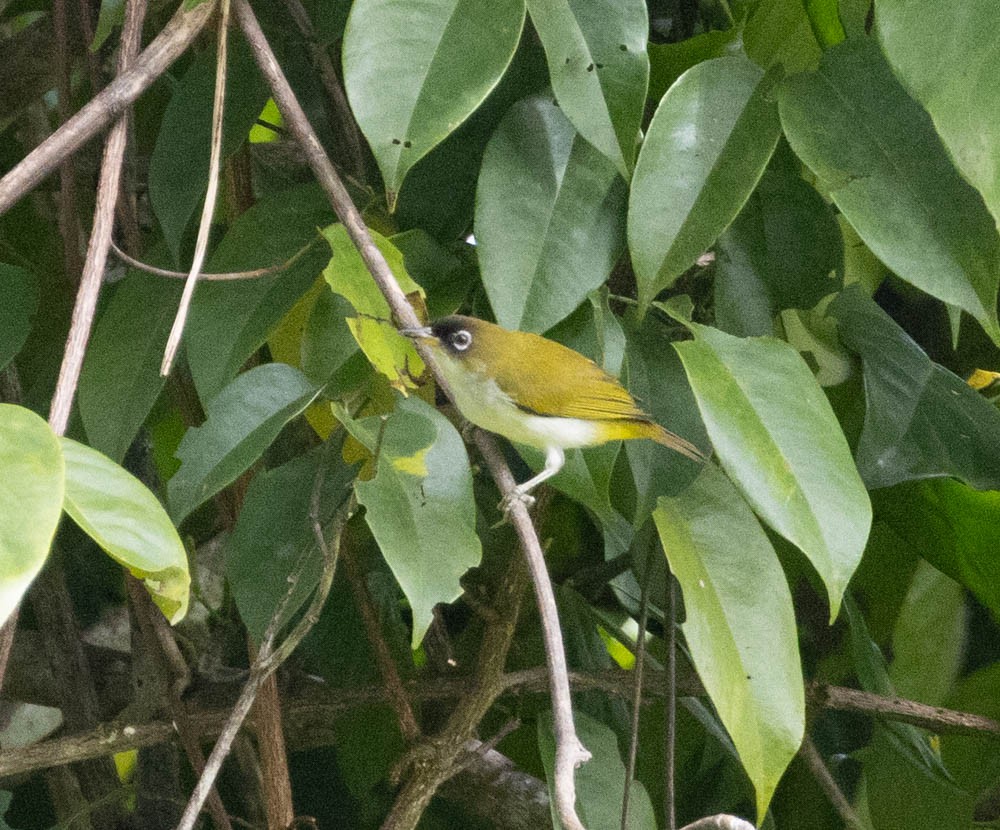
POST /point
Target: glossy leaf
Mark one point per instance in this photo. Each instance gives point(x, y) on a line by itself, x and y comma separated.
point(242, 420)
point(275, 530)
point(119, 512)
point(31, 500)
point(695, 172)
point(229, 321)
point(656, 378)
point(668, 61)
point(949, 60)
point(740, 626)
point(600, 783)
point(779, 33)
point(953, 527)
point(178, 168)
point(875, 151)
point(824, 18)
point(413, 78)
point(419, 506)
point(121, 378)
point(785, 240)
point(778, 439)
point(921, 421)
point(550, 217)
point(596, 52)
point(933, 611)
point(389, 351)
point(18, 301)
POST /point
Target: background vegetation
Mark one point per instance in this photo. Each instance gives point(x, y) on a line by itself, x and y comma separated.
point(776, 220)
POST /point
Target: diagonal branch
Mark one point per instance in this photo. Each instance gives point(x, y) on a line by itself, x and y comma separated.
point(570, 753)
point(107, 106)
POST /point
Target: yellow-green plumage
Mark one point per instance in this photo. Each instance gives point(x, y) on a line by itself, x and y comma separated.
point(506, 381)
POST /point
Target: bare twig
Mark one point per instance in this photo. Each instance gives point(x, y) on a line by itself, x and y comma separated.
point(934, 718)
point(383, 658)
point(160, 645)
point(105, 107)
point(340, 116)
point(719, 822)
point(569, 751)
point(640, 663)
point(670, 704)
point(100, 238)
point(224, 276)
point(69, 228)
point(270, 656)
point(208, 208)
point(838, 800)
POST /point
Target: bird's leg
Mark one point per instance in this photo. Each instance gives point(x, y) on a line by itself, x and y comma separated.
point(555, 458)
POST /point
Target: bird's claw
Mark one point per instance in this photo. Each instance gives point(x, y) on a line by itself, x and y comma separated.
point(507, 502)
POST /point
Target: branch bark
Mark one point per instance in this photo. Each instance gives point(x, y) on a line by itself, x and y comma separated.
point(107, 106)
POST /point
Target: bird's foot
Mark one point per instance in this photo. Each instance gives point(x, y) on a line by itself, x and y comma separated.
point(508, 501)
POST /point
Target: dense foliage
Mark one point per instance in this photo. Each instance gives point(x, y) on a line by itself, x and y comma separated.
point(775, 220)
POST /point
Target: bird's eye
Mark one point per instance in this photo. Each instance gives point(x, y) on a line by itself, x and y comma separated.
point(461, 340)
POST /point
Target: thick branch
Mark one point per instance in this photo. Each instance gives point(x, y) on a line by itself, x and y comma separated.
point(107, 106)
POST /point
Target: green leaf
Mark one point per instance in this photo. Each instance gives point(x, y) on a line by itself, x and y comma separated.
point(933, 612)
point(600, 783)
point(121, 378)
point(668, 61)
point(241, 422)
point(19, 302)
point(120, 513)
point(111, 16)
point(740, 626)
point(695, 173)
point(824, 18)
point(778, 439)
point(275, 530)
point(656, 378)
point(389, 351)
point(419, 506)
point(921, 421)
point(31, 500)
point(178, 168)
point(876, 153)
point(229, 321)
point(412, 80)
point(785, 240)
point(953, 527)
point(778, 33)
point(541, 185)
point(949, 60)
point(596, 52)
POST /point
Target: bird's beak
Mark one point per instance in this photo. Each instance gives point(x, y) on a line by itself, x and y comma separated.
point(422, 333)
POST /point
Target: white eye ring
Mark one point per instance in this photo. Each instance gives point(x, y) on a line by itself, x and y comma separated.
point(461, 340)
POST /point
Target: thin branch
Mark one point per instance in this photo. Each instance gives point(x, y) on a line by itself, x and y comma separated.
point(223, 276)
point(569, 750)
point(719, 822)
point(838, 800)
point(933, 718)
point(670, 704)
point(100, 238)
point(383, 658)
point(640, 664)
point(341, 118)
point(107, 106)
point(208, 208)
point(69, 228)
point(270, 657)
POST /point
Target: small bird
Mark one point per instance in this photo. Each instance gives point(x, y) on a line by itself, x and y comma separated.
point(537, 392)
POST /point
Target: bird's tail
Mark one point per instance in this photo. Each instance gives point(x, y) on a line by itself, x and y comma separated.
point(662, 436)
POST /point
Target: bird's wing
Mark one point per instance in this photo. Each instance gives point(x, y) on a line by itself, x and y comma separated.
point(556, 394)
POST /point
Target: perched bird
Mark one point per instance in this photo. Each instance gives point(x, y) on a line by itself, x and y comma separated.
point(537, 392)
